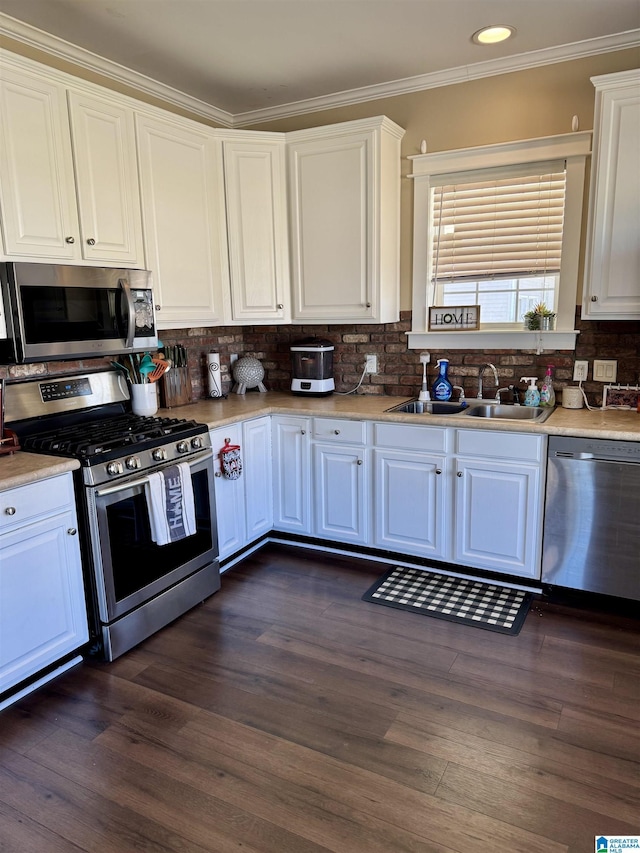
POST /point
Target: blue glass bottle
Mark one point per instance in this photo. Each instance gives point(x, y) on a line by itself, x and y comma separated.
point(442, 389)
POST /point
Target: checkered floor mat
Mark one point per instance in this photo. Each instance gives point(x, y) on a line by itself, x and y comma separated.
point(469, 602)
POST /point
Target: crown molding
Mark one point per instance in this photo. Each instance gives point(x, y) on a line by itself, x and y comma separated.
point(54, 46)
point(462, 74)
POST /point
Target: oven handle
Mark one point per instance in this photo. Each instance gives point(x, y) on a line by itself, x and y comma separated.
point(124, 284)
point(132, 484)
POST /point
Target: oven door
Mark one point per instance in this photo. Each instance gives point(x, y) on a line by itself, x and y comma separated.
point(129, 567)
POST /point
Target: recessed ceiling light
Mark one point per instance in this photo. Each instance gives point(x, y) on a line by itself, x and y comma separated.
point(493, 34)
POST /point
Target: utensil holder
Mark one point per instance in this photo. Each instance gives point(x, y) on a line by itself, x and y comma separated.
point(175, 388)
point(144, 399)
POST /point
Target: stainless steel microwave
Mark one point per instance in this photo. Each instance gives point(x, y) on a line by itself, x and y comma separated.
point(56, 312)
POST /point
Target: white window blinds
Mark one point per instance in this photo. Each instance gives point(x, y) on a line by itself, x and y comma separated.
point(501, 227)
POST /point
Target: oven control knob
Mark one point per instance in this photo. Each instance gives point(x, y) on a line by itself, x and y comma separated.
point(114, 468)
point(132, 462)
point(158, 454)
point(182, 447)
point(196, 442)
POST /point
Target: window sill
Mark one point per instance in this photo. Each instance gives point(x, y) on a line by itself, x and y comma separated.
point(537, 341)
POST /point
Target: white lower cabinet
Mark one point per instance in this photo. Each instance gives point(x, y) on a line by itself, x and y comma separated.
point(340, 480)
point(291, 441)
point(244, 509)
point(498, 502)
point(43, 616)
point(411, 490)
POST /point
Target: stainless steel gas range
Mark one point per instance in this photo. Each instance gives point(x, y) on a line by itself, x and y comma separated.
point(136, 580)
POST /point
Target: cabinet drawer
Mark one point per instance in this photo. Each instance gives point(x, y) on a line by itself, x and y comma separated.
point(46, 497)
point(410, 437)
point(347, 432)
point(500, 445)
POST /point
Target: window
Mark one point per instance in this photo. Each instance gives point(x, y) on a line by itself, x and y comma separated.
point(499, 227)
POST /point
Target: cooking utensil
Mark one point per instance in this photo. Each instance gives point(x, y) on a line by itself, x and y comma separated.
point(161, 367)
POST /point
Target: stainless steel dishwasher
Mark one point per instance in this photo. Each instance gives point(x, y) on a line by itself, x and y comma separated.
point(591, 535)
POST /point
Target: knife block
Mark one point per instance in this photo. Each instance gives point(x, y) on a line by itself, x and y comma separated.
point(175, 388)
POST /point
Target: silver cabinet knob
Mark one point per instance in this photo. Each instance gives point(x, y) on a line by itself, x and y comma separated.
point(359, 462)
point(280, 306)
point(69, 239)
point(158, 307)
point(10, 510)
point(594, 298)
point(438, 470)
point(303, 432)
point(336, 431)
point(72, 531)
point(368, 305)
point(91, 242)
point(218, 474)
point(459, 474)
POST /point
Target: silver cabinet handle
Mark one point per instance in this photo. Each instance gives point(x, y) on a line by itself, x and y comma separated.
point(359, 462)
point(438, 470)
point(336, 431)
point(91, 242)
point(459, 474)
point(594, 298)
point(368, 305)
point(280, 306)
point(303, 432)
point(10, 510)
point(158, 307)
point(72, 531)
point(218, 474)
point(69, 239)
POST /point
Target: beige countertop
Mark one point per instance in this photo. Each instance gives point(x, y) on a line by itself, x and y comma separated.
point(621, 425)
point(20, 468)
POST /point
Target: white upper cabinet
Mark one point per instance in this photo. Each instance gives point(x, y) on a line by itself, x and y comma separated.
point(61, 201)
point(107, 180)
point(344, 206)
point(182, 186)
point(256, 208)
point(37, 192)
point(612, 266)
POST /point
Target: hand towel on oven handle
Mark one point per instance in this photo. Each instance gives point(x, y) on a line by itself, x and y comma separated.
point(172, 512)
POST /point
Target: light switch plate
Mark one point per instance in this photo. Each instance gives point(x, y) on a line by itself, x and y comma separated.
point(605, 370)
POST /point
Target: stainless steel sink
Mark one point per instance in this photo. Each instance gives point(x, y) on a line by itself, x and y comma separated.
point(500, 411)
point(434, 407)
point(475, 409)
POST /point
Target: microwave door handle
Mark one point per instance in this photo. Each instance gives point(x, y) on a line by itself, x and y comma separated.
point(124, 284)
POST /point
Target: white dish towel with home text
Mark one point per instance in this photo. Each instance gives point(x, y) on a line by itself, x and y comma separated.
point(172, 512)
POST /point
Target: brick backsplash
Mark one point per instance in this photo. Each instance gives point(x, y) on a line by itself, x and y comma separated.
point(399, 369)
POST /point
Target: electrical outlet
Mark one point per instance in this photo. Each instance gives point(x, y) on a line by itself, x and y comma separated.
point(580, 370)
point(371, 363)
point(605, 371)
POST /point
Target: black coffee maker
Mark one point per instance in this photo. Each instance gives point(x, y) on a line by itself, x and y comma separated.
point(312, 367)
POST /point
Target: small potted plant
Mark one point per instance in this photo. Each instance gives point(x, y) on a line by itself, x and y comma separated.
point(539, 319)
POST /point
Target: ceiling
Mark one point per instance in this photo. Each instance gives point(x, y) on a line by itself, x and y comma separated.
point(259, 59)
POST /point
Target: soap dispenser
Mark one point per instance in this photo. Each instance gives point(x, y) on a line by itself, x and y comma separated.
point(547, 393)
point(532, 395)
point(442, 389)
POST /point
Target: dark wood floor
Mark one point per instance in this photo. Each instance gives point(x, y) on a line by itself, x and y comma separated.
point(286, 715)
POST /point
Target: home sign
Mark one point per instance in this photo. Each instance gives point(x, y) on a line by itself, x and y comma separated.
point(454, 318)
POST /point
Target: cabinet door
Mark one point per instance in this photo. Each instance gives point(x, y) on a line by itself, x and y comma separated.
point(42, 606)
point(340, 489)
point(230, 512)
point(612, 269)
point(332, 228)
point(257, 229)
point(107, 181)
point(37, 192)
point(497, 520)
point(184, 221)
point(411, 506)
point(257, 470)
point(291, 474)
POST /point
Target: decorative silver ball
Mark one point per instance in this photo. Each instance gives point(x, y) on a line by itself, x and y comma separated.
point(248, 371)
